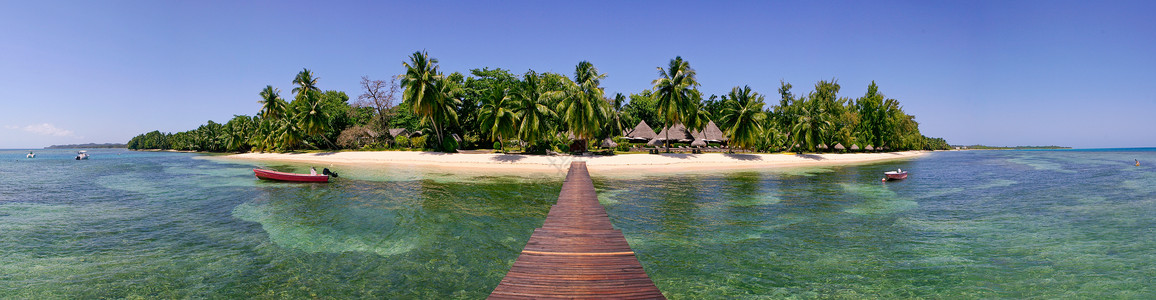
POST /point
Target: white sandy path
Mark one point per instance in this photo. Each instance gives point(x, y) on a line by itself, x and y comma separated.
point(622, 163)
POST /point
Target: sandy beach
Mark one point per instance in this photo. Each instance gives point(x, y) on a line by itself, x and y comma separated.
point(622, 163)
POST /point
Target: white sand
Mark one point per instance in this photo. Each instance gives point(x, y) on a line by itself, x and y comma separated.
point(622, 163)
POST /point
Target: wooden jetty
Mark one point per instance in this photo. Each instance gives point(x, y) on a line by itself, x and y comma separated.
point(577, 253)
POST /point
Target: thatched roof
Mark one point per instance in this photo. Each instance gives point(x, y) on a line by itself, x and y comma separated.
point(821, 146)
point(839, 146)
point(607, 143)
point(642, 131)
point(854, 147)
point(869, 148)
point(653, 142)
point(677, 132)
point(710, 133)
point(396, 132)
point(698, 143)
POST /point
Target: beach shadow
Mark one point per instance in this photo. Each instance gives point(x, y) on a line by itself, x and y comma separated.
point(509, 158)
point(325, 153)
point(679, 155)
point(810, 156)
point(746, 157)
point(434, 153)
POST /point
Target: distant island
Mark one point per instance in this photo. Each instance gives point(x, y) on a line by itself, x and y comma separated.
point(983, 147)
point(89, 145)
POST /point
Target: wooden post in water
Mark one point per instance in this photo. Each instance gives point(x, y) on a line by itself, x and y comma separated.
point(577, 253)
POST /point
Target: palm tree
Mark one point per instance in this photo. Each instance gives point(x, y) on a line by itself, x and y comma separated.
point(583, 108)
point(496, 115)
point(742, 116)
point(427, 93)
point(444, 110)
point(305, 82)
point(237, 132)
point(311, 119)
point(616, 121)
point(288, 135)
point(676, 94)
point(272, 106)
point(811, 124)
point(531, 105)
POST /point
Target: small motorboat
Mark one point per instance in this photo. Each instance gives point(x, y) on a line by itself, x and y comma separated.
point(294, 177)
point(30, 155)
point(81, 155)
point(898, 174)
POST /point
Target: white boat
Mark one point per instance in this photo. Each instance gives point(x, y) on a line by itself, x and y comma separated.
point(30, 155)
point(81, 155)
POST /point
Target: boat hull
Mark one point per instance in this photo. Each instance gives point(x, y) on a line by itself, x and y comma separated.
point(895, 175)
point(292, 177)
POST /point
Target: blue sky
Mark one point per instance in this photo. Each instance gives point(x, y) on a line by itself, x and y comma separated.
point(1069, 73)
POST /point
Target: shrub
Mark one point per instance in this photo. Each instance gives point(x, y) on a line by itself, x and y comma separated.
point(418, 142)
point(449, 145)
point(401, 141)
point(470, 141)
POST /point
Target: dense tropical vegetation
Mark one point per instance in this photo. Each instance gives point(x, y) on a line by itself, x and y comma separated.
point(538, 112)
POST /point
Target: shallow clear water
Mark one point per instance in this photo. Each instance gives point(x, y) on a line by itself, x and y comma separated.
point(980, 224)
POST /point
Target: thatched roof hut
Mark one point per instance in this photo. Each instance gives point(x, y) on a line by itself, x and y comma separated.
point(869, 148)
point(854, 147)
point(711, 133)
point(641, 132)
point(396, 132)
point(607, 143)
point(698, 143)
point(675, 133)
point(821, 146)
point(839, 146)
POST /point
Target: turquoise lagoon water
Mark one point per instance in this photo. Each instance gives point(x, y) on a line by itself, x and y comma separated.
point(979, 224)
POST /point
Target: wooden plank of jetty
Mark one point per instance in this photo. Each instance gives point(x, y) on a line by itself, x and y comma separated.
point(577, 253)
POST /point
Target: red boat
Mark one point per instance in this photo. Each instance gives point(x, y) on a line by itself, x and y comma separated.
point(282, 176)
point(898, 174)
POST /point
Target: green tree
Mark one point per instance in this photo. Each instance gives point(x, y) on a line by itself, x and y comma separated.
point(305, 82)
point(476, 90)
point(742, 116)
point(429, 94)
point(811, 123)
point(534, 111)
point(714, 105)
point(677, 94)
point(582, 107)
point(311, 119)
point(642, 108)
point(873, 118)
point(272, 106)
point(826, 98)
point(237, 132)
point(497, 115)
point(617, 122)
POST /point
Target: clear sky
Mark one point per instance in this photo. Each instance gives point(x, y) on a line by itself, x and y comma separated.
point(1074, 73)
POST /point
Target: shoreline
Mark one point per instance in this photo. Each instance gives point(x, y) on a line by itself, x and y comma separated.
point(622, 163)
